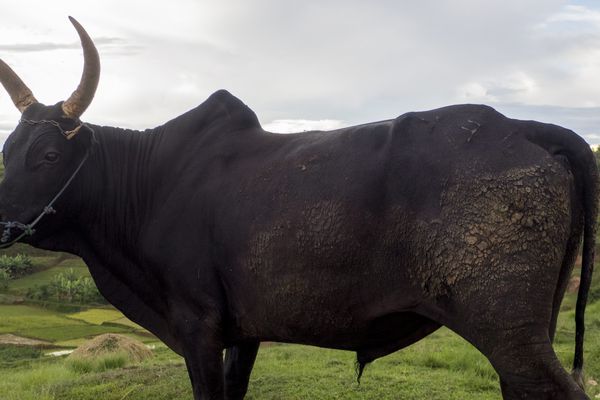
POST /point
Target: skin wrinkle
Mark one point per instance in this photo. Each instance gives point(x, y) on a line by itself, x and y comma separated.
point(123, 201)
point(116, 211)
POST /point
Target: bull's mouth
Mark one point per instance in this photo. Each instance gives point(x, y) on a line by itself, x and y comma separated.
point(14, 231)
point(9, 238)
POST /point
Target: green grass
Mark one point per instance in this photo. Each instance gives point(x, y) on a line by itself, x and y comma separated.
point(443, 366)
point(39, 323)
point(125, 321)
point(97, 364)
point(281, 372)
point(36, 383)
point(15, 318)
point(98, 316)
point(147, 382)
point(45, 276)
point(13, 356)
point(67, 332)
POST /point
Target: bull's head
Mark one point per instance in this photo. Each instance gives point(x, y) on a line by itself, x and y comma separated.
point(45, 149)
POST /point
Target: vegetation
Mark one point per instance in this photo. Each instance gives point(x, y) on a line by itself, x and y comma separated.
point(16, 266)
point(596, 150)
point(49, 325)
point(70, 288)
point(98, 316)
point(4, 279)
point(11, 356)
point(12, 267)
point(67, 287)
point(100, 363)
point(443, 366)
point(44, 274)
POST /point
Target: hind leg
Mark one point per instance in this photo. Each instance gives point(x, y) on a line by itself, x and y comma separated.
point(496, 270)
point(529, 369)
point(508, 315)
point(524, 359)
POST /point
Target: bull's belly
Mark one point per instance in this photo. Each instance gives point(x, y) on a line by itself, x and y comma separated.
point(370, 335)
point(344, 317)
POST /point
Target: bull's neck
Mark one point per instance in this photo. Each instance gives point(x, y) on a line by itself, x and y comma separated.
point(116, 185)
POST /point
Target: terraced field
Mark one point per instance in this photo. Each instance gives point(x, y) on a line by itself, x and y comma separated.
point(27, 318)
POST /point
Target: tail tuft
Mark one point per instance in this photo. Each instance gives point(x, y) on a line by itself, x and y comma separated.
point(360, 367)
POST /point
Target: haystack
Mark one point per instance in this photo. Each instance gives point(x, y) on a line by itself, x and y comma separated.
point(110, 343)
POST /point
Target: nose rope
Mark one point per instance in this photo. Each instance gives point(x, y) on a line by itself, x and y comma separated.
point(29, 229)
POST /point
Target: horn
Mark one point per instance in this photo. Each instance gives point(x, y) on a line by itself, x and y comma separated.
point(18, 91)
point(83, 95)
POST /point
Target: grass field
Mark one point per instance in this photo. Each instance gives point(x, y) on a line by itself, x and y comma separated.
point(39, 323)
point(281, 372)
point(63, 329)
point(45, 275)
point(443, 366)
point(97, 316)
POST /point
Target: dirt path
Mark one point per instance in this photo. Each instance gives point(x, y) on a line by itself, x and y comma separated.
point(22, 341)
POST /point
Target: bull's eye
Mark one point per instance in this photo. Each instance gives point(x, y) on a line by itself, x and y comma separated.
point(52, 157)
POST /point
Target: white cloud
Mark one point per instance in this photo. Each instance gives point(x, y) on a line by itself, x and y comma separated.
point(515, 87)
point(332, 60)
point(301, 125)
point(573, 13)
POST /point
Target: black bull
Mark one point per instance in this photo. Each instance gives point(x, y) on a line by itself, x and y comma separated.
point(214, 234)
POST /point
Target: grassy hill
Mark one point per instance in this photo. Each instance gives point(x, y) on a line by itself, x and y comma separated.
point(443, 366)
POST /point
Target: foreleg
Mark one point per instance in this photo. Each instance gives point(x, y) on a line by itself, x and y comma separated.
point(239, 361)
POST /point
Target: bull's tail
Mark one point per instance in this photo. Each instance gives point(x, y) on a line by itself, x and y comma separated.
point(559, 141)
point(590, 207)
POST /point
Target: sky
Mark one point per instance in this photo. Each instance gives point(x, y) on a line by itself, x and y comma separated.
point(312, 64)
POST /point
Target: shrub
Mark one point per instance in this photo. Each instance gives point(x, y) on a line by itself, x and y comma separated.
point(11, 355)
point(67, 287)
point(4, 278)
point(98, 364)
point(16, 266)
